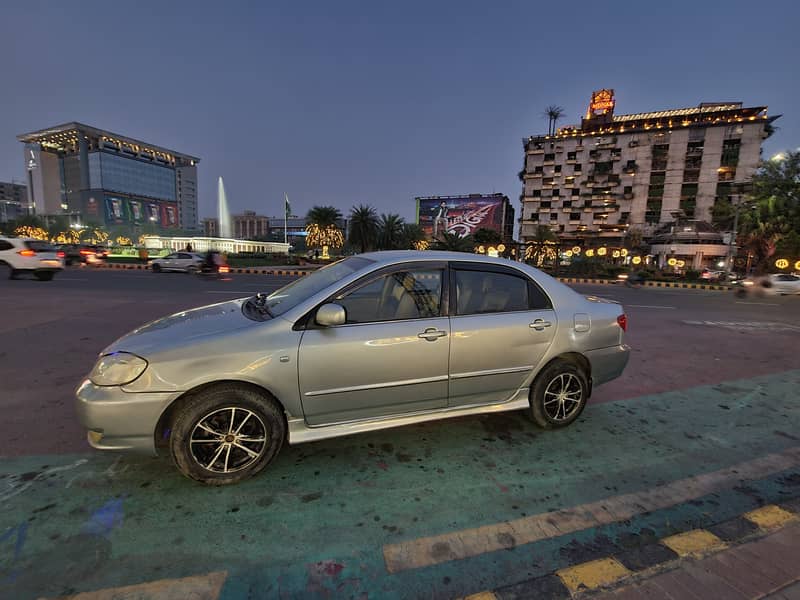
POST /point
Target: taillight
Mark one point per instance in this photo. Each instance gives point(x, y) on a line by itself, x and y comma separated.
point(87, 252)
point(224, 269)
point(26, 253)
point(622, 321)
point(61, 254)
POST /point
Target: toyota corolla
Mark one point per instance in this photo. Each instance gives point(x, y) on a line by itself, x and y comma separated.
point(370, 342)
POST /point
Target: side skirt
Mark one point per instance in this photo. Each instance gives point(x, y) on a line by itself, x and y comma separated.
point(300, 432)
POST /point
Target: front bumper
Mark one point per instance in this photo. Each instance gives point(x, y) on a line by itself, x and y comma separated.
point(119, 420)
point(608, 363)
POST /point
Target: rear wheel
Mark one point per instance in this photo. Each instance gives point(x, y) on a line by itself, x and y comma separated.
point(192, 270)
point(156, 268)
point(44, 275)
point(558, 395)
point(226, 434)
point(7, 270)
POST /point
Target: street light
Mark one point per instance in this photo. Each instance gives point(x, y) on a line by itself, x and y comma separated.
point(741, 189)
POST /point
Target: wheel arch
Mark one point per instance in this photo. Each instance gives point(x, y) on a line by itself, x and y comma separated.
point(162, 430)
point(576, 358)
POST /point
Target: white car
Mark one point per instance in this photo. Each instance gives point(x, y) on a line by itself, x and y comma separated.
point(186, 262)
point(775, 284)
point(26, 255)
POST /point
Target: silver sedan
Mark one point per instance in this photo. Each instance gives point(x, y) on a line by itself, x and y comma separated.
point(370, 342)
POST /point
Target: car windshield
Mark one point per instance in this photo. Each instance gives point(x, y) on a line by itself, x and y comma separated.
point(291, 295)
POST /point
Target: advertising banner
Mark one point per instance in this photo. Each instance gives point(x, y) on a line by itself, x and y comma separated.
point(462, 216)
point(169, 214)
point(116, 210)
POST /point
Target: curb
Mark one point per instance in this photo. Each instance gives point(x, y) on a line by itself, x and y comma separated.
point(621, 569)
point(659, 284)
point(250, 270)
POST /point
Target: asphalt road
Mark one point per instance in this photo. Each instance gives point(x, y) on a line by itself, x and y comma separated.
point(711, 383)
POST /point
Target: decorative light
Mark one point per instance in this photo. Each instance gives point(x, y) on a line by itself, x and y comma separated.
point(36, 233)
point(637, 260)
point(590, 253)
point(672, 262)
point(576, 249)
point(501, 248)
point(421, 245)
point(781, 263)
point(797, 266)
point(615, 254)
point(481, 249)
point(602, 251)
point(568, 253)
point(328, 236)
point(681, 263)
point(624, 252)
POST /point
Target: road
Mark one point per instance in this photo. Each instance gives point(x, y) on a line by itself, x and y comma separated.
point(711, 385)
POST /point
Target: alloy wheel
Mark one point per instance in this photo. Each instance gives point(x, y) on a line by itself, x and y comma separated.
point(563, 396)
point(228, 440)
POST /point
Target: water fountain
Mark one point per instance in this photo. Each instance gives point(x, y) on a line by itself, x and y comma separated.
point(224, 213)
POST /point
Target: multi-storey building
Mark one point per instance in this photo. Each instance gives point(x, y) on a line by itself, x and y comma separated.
point(246, 226)
point(108, 178)
point(13, 201)
point(614, 172)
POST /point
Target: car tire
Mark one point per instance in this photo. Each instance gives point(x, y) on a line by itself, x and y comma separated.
point(549, 408)
point(8, 270)
point(220, 458)
point(741, 293)
point(46, 276)
point(192, 270)
point(156, 268)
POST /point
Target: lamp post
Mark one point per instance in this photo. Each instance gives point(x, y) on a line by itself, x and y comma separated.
point(31, 166)
point(736, 202)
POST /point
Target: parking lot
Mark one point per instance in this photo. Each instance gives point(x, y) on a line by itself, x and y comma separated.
point(711, 384)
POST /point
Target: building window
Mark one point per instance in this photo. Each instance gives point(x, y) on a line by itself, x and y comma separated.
point(657, 179)
point(655, 191)
point(556, 193)
point(688, 199)
point(547, 181)
point(572, 155)
point(538, 170)
point(549, 157)
point(567, 203)
point(534, 217)
point(544, 204)
point(577, 168)
point(628, 189)
point(653, 213)
point(557, 169)
point(553, 216)
point(730, 153)
point(623, 218)
point(537, 193)
point(576, 192)
point(575, 216)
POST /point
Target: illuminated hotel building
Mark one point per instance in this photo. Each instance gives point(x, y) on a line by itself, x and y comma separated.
point(614, 172)
point(96, 176)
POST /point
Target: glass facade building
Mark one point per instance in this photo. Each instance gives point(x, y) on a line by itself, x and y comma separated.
point(106, 178)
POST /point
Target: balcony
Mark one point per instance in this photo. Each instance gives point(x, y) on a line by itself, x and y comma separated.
point(627, 196)
point(535, 150)
point(694, 152)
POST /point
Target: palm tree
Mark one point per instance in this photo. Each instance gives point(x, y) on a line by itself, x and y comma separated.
point(454, 243)
point(390, 231)
point(322, 228)
point(414, 237)
point(363, 227)
point(543, 246)
point(553, 113)
point(486, 236)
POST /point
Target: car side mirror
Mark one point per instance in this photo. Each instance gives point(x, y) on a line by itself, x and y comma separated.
point(330, 315)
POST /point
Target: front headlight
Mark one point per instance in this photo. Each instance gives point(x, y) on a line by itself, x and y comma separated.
point(117, 368)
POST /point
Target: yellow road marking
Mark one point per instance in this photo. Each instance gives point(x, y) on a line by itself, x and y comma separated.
point(694, 543)
point(769, 517)
point(198, 587)
point(457, 545)
point(593, 574)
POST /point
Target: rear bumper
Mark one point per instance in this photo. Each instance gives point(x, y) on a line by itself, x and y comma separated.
point(119, 420)
point(608, 363)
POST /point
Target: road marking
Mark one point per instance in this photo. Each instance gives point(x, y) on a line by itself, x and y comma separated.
point(693, 543)
point(758, 303)
point(481, 596)
point(72, 279)
point(748, 325)
point(649, 306)
point(456, 545)
point(593, 574)
point(769, 517)
point(229, 292)
point(201, 587)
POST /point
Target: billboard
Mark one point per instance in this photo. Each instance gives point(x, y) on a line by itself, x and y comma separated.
point(119, 211)
point(461, 215)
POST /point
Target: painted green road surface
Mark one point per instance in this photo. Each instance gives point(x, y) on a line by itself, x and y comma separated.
point(316, 523)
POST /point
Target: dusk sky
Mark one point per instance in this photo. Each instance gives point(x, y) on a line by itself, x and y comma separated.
point(375, 102)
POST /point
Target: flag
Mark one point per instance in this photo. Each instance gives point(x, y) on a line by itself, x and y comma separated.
point(287, 206)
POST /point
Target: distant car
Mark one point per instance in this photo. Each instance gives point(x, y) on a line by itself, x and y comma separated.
point(89, 254)
point(372, 341)
point(185, 262)
point(712, 276)
point(770, 285)
point(25, 255)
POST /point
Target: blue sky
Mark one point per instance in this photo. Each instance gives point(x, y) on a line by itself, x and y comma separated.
point(376, 102)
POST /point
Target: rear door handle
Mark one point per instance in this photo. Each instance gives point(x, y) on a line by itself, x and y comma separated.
point(431, 334)
point(540, 324)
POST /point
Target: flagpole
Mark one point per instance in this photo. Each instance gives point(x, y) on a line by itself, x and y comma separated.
point(285, 217)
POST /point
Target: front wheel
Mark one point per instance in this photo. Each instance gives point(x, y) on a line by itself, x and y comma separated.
point(156, 268)
point(226, 434)
point(44, 276)
point(558, 395)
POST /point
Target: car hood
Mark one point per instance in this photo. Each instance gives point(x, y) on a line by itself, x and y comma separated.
point(185, 327)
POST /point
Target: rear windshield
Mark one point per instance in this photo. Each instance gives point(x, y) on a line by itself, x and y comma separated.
point(37, 246)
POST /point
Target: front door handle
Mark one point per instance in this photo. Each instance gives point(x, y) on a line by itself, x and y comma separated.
point(540, 324)
point(431, 334)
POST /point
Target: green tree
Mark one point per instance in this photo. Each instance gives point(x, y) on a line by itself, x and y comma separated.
point(542, 247)
point(487, 236)
point(390, 232)
point(363, 227)
point(413, 236)
point(453, 243)
point(324, 216)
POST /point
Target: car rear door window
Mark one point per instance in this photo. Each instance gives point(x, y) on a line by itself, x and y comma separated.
point(408, 294)
point(38, 246)
point(482, 292)
point(4, 245)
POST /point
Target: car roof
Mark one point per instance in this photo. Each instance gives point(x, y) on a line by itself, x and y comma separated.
point(393, 256)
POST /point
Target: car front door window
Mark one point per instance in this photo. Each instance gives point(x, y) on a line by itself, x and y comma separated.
point(409, 294)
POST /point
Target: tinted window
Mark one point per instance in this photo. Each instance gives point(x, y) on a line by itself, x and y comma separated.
point(184, 256)
point(37, 246)
point(412, 294)
point(479, 292)
point(171, 256)
point(4, 245)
